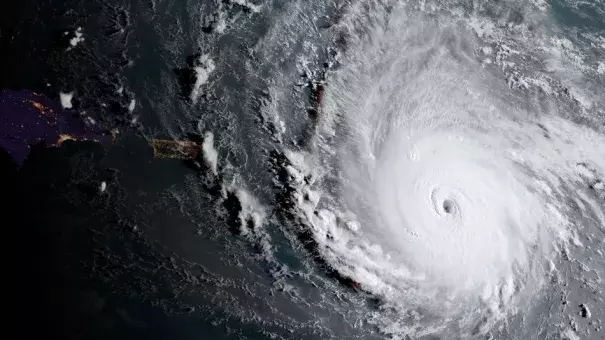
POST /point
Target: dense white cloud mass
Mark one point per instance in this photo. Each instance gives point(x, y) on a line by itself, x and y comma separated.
point(446, 189)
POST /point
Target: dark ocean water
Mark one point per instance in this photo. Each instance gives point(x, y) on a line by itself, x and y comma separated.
point(160, 252)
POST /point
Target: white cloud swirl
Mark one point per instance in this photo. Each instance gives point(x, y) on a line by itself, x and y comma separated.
point(451, 195)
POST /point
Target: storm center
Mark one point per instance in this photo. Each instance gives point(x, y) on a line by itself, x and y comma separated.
point(448, 206)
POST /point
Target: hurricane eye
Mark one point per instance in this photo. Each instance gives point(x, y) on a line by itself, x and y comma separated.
point(448, 206)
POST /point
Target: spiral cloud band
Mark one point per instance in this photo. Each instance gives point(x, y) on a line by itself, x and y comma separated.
point(448, 195)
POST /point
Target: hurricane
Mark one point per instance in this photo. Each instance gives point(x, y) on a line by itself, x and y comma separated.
point(438, 185)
